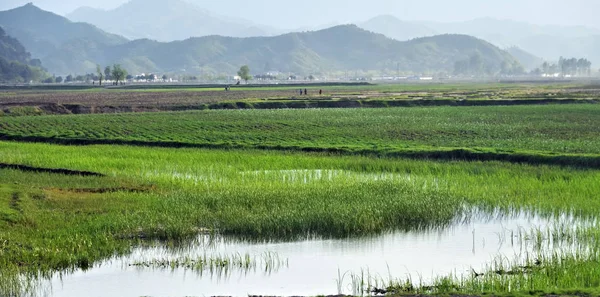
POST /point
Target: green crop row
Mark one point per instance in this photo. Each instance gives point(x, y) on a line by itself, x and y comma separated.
point(556, 129)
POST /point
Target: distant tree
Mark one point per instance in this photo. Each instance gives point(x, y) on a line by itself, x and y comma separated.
point(69, 78)
point(545, 68)
point(476, 64)
point(48, 80)
point(553, 69)
point(537, 72)
point(311, 77)
point(461, 67)
point(164, 77)
point(108, 73)
point(244, 73)
point(118, 73)
point(100, 74)
point(129, 77)
point(58, 80)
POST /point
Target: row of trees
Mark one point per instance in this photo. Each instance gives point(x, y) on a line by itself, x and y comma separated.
point(574, 66)
point(564, 67)
point(14, 71)
point(116, 74)
point(476, 66)
point(95, 77)
point(149, 77)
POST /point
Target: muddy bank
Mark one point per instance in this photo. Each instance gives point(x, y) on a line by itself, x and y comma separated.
point(49, 170)
point(58, 109)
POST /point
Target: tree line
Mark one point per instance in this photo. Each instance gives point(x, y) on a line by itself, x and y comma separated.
point(14, 71)
point(116, 74)
point(565, 67)
point(476, 66)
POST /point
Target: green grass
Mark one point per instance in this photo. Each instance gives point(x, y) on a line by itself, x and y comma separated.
point(552, 130)
point(51, 222)
point(56, 221)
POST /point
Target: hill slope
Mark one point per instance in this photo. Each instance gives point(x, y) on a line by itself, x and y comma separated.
point(164, 21)
point(547, 42)
point(529, 61)
point(16, 64)
point(340, 48)
point(64, 46)
point(392, 27)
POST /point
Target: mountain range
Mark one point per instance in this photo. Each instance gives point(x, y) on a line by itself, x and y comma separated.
point(62, 45)
point(179, 20)
point(547, 42)
point(71, 47)
point(393, 27)
point(166, 21)
point(340, 48)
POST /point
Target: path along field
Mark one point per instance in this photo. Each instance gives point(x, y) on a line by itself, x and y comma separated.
point(54, 222)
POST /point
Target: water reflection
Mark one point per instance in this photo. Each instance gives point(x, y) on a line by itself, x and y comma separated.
point(314, 266)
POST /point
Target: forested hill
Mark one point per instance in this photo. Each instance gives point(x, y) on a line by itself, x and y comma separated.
point(341, 48)
point(66, 47)
point(16, 64)
point(62, 45)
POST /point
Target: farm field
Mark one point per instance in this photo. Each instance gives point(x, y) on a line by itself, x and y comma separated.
point(564, 134)
point(161, 193)
point(75, 100)
point(436, 200)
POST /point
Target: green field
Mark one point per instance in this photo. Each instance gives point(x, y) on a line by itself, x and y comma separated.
point(289, 174)
point(52, 221)
point(566, 133)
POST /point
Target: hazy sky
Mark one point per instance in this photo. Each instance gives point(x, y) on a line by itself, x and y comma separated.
point(300, 13)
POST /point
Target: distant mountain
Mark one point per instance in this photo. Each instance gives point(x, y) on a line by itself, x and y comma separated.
point(165, 21)
point(547, 42)
point(16, 64)
point(528, 60)
point(392, 27)
point(340, 48)
point(78, 47)
point(62, 45)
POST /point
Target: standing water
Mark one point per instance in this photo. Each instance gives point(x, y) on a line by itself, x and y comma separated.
point(309, 267)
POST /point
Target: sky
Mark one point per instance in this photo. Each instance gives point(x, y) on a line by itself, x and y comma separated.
point(308, 13)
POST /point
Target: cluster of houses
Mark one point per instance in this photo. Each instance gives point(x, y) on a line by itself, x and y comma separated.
point(150, 78)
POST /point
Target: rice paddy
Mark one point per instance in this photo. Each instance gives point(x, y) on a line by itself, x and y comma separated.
point(135, 181)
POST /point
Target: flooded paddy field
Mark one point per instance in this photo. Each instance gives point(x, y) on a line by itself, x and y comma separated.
point(286, 202)
point(319, 266)
point(281, 223)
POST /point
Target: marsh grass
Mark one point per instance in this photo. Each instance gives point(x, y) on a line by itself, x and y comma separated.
point(51, 222)
point(552, 260)
point(219, 265)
